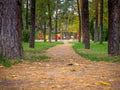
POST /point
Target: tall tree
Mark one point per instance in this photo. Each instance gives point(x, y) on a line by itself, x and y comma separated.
point(113, 27)
point(119, 27)
point(50, 20)
point(11, 28)
point(32, 28)
point(85, 23)
point(26, 14)
point(42, 16)
point(56, 20)
point(101, 21)
point(96, 22)
point(44, 31)
point(1, 14)
point(78, 6)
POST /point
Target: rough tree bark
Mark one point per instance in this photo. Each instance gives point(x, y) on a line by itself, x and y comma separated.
point(56, 26)
point(113, 27)
point(50, 21)
point(32, 26)
point(11, 29)
point(119, 25)
point(79, 32)
point(44, 31)
point(26, 14)
point(85, 23)
point(96, 22)
point(101, 21)
point(1, 14)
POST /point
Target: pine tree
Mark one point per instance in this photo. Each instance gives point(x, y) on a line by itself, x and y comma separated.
point(85, 23)
point(32, 27)
point(11, 29)
point(113, 27)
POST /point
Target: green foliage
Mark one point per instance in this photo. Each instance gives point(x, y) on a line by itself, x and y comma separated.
point(105, 18)
point(4, 61)
point(42, 12)
point(97, 52)
point(36, 34)
point(24, 14)
point(67, 15)
point(92, 29)
point(26, 35)
point(105, 35)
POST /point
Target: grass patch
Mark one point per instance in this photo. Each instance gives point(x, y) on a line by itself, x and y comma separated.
point(4, 61)
point(36, 58)
point(97, 52)
point(40, 47)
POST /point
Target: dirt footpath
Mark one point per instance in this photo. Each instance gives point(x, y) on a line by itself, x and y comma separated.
point(64, 71)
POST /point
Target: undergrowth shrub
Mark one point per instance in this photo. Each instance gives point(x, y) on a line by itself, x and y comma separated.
point(25, 35)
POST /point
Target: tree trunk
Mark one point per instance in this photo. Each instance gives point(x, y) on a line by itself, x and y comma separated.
point(85, 23)
point(81, 23)
point(44, 31)
point(1, 14)
point(119, 30)
point(32, 27)
point(79, 32)
point(101, 21)
point(92, 29)
point(11, 29)
point(96, 22)
point(56, 20)
point(119, 25)
point(50, 21)
point(26, 14)
point(113, 27)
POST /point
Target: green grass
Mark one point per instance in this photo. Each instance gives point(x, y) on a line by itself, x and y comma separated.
point(4, 61)
point(97, 52)
point(36, 58)
point(40, 47)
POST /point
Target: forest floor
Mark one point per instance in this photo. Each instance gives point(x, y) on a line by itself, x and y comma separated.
point(64, 71)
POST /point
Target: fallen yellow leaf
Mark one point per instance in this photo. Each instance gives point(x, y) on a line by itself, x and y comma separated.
point(105, 83)
point(14, 76)
point(76, 64)
point(47, 65)
point(63, 68)
point(73, 70)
